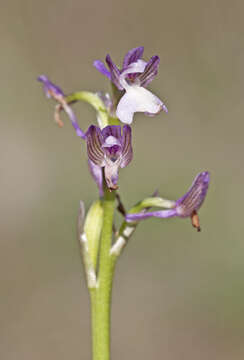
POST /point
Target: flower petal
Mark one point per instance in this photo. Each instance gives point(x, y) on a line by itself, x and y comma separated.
point(112, 130)
point(137, 99)
point(115, 73)
point(112, 141)
point(50, 89)
point(97, 174)
point(150, 71)
point(131, 72)
point(94, 145)
point(194, 197)
point(99, 65)
point(133, 55)
point(111, 174)
point(126, 151)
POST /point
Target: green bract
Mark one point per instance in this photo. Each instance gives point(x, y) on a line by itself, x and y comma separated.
point(92, 229)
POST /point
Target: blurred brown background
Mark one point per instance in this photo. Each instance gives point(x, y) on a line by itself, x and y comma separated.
point(178, 294)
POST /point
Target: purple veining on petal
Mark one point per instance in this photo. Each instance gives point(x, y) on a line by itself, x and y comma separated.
point(132, 56)
point(114, 71)
point(94, 145)
point(150, 71)
point(112, 141)
point(194, 197)
point(127, 151)
point(112, 130)
point(109, 149)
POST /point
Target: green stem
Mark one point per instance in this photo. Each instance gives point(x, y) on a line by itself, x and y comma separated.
point(101, 295)
point(94, 100)
point(105, 118)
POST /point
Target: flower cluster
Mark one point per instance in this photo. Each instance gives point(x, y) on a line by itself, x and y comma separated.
point(109, 146)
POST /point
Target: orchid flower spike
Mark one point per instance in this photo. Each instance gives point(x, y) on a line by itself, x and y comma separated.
point(53, 91)
point(134, 76)
point(109, 149)
point(186, 206)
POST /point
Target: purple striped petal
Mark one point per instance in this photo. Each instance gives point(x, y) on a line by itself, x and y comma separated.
point(99, 65)
point(150, 71)
point(112, 141)
point(126, 151)
point(194, 197)
point(115, 73)
point(94, 145)
point(112, 130)
point(133, 55)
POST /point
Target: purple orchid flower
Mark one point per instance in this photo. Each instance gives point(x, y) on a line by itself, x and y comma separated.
point(186, 206)
point(109, 149)
point(134, 76)
point(53, 91)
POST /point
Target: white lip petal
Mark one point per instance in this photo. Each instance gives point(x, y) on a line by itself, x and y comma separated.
point(137, 99)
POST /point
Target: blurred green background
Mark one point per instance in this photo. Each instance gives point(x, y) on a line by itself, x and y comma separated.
point(178, 294)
